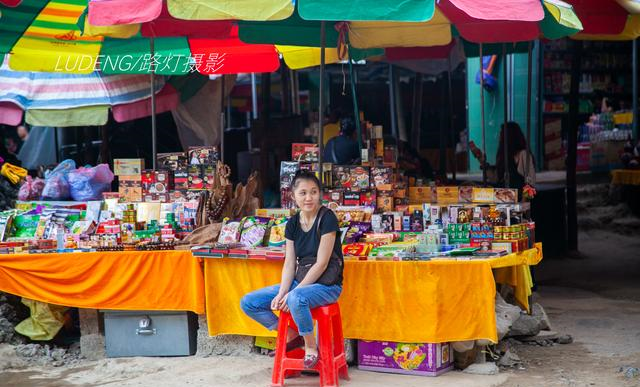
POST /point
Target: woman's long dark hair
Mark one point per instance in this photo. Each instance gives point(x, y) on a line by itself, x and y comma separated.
point(516, 143)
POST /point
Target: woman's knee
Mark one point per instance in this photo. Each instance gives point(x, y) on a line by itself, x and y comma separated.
point(248, 303)
point(296, 300)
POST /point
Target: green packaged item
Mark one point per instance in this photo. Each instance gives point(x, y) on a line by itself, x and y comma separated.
point(276, 236)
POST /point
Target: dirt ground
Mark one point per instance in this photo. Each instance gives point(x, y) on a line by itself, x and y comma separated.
point(594, 297)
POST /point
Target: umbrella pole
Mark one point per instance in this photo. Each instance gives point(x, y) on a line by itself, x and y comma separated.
point(484, 146)
point(392, 104)
point(634, 55)
point(451, 120)
point(254, 97)
point(154, 134)
point(505, 135)
point(222, 121)
point(529, 76)
point(323, 38)
point(356, 111)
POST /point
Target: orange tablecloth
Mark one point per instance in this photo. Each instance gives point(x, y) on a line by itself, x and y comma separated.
point(625, 177)
point(437, 301)
point(150, 280)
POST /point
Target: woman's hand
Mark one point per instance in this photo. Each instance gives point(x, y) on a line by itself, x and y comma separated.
point(279, 302)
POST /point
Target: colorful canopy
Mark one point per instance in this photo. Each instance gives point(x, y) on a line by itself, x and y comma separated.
point(500, 21)
point(10, 3)
point(631, 31)
point(236, 9)
point(559, 20)
point(112, 12)
point(632, 6)
point(367, 10)
point(600, 17)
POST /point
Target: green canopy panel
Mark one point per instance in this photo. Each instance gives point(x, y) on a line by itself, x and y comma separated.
point(133, 56)
point(367, 10)
point(559, 20)
point(361, 54)
point(293, 31)
point(15, 21)
point(82, 116)
point(188, 85)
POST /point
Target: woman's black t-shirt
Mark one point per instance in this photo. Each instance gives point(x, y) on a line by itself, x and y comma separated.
point(307, 243)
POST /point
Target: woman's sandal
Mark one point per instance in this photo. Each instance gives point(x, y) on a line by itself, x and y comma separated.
point(310, 361)
point(296, 343)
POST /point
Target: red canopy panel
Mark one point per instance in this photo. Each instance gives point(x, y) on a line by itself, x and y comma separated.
point(10, 113)
point(600, 17)
point(167, 99)
point(11, 3)
point(232, 56)
point(166, 25)
point(499, 21)
point(413, 53)
point(113, 12)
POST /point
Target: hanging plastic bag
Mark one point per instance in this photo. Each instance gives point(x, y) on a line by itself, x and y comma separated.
point(89, 183)
point(56, 186)
point(31, 189)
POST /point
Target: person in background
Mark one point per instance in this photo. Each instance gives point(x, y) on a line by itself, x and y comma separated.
point(343, 149)
point(517, 158)
point(23, 133)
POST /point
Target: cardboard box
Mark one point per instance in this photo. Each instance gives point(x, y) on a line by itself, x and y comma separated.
point(506, 195)
point(196, 178)
point(148, 178)
point(128, 166)
point(419, 195)
point(359, 178)
point(352, 198)
point(181, 179)
point(447, 195)
point(405, 358)
point(465, 194)
point(482, 195)
point(209, 176)
point(381, 176)
point(130, 194)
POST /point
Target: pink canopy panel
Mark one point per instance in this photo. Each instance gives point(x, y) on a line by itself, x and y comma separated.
point(10, 114)
point(480, 21)
point(166, 25)
point(113, 12)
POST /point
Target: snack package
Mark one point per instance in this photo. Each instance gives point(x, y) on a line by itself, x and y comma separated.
point(356, 230)
point(357, 249)
point(253, 231)
point(276, 237)
point(230, 232)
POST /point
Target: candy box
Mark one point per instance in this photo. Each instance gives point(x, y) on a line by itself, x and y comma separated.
point(148, 178)
point(385, 201)
point(381, 176)
point(195, 178)
point(209, 175)
point(181, 179)
point(172, 161)
point(304, 152)
point(341, 177)
point(447, 194)
point(359, 177)
point(288, 170)
point(128, 166)
point(351, 198)
point(423, 359)
point(203, 155)
point(482, 195)
point(387, 223)
point(419, 195)
point(368, 198)
point(506, 195)
point(162, 182)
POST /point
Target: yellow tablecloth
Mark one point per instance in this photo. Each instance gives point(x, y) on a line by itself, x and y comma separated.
point(436, 301)
point(625, 177)
point(150, 280)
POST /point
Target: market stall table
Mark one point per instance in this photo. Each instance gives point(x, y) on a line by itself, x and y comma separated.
point(126, 280)
point(434, 301)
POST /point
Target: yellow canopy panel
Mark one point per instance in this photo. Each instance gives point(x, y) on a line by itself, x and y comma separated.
point(298, 57)
point(435, 32)
point(257, 10)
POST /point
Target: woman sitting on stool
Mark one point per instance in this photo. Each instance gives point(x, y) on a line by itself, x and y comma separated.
point(312, 271)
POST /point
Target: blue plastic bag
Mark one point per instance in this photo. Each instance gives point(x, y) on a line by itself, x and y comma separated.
point(89, 183)
point(56, 185)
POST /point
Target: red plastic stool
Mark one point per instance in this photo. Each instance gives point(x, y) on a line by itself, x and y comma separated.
point(332, 362)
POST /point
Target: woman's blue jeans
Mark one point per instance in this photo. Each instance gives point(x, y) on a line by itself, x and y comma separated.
point(300, 300)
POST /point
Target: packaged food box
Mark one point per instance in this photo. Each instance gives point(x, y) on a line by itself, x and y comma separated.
point(359, 178)
point(288, 170)
point(305, 152)
point(465, 194)
point(130, 194)
point(162, 182)
point(385, 201)
point(482, 195)
point(209, 176)
point(171, 161)
point(274, 212)
point(195, 178)
point(423, 359)
point(506, 195)
point(181, 179)
point(148, 178)
point(128, 166)
point(419, 195)
point(368, 198)
point(381, 176)
point(446, 195)
point(351, 198)
point(203, 155)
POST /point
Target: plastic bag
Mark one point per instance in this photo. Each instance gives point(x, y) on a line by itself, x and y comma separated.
point(89, 183)
point(56, 186)
point(31, 189)
point(45, 321)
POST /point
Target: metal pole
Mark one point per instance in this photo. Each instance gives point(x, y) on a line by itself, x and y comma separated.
point(154, 134)
point(505, 135)
point(323, 38)
point(484, 145)
point(296, 90)
point(572, 151)
point(529, 78)
point(356, 111)
point(392, 104)
point(635, 88)
point(451, 120)
point(254, 97)
point(222, 122)
point(416, 114)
